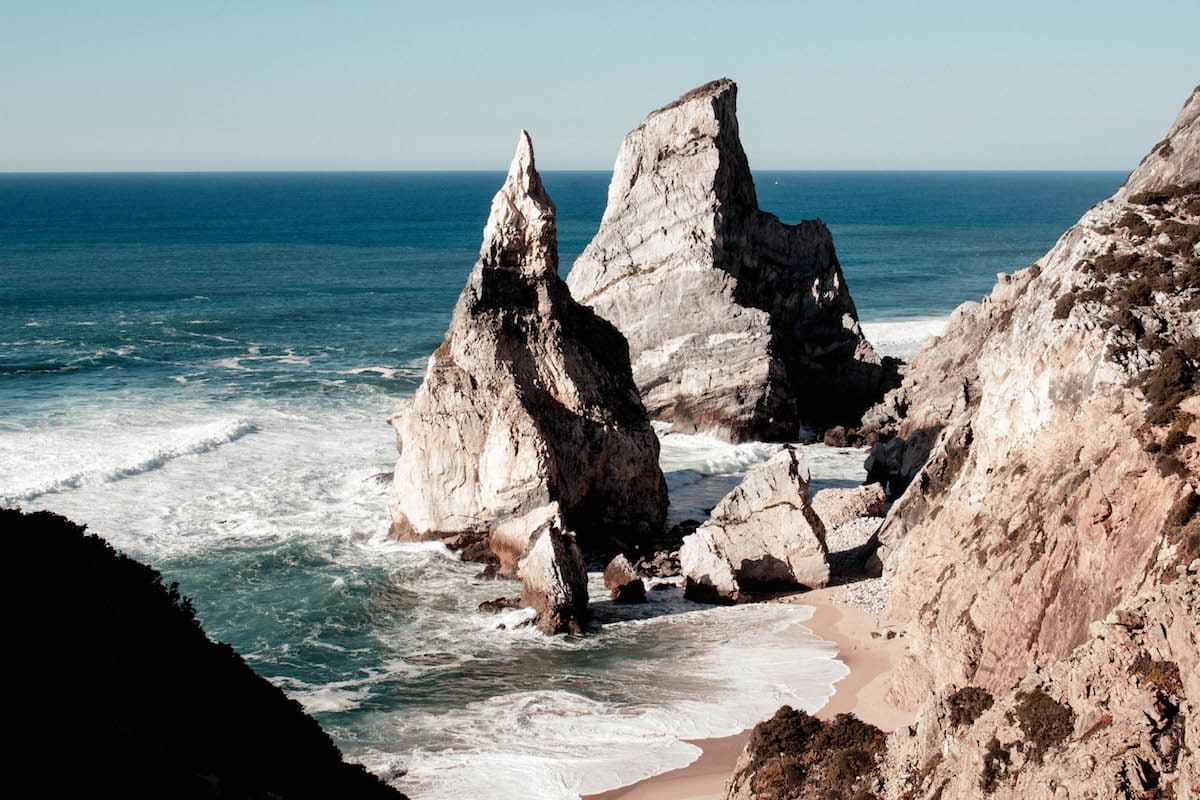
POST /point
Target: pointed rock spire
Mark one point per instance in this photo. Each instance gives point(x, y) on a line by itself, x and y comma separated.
point(737, 323)
point(528, 427)
point(520, 232)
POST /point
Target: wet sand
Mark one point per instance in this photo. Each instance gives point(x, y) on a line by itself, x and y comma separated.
point(870, 660)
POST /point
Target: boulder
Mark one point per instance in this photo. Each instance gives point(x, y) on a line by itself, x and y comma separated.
point(528, 408)
point(623, 581)
point(796, 756)
point(554, 579)
point(737, 323)
point(836, 507)
point(762, 536)
point(500, 604)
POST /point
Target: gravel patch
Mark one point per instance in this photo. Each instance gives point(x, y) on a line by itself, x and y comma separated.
point(870, 595)
point(845, 556)
point(852, 534)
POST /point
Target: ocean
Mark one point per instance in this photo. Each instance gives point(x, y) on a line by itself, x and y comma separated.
point(199, 367)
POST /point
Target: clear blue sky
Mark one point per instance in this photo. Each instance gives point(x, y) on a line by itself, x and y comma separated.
point(260, 84)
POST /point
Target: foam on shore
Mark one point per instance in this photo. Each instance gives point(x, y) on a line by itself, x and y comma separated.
point(903, 338)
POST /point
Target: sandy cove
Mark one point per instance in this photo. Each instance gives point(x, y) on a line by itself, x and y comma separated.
point(870, 660)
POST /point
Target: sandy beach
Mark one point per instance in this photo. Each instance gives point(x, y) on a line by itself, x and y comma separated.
point(870, 659)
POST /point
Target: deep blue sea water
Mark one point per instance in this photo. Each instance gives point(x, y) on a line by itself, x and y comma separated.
point(200, 366)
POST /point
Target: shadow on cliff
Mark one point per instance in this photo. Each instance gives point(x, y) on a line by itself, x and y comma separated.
point(118, 691)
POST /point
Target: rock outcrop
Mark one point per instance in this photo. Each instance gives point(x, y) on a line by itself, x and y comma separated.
point(762, 536)
point(623, 582)
point(113, 664)
point(836, 507)
point(1045, 545)
point(1115, 719)
point(737, 323)
point(1056, 423)
point(528, 412)
point(795, 756)
point(554, 579)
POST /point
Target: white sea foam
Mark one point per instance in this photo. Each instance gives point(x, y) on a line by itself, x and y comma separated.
point(705, 678)
point(229, 363)
point(33, 464)
point(585, 714)
point(383, 372)
point(903, 338)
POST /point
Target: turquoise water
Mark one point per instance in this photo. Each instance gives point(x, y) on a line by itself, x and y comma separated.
point(200, 366)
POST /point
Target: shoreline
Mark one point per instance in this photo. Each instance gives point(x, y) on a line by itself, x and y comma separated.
point(862, 692)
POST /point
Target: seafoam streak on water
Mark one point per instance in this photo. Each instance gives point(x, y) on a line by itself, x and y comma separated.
point(903, 338)
point(36, 463)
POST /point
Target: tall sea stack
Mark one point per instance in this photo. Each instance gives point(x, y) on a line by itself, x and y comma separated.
point(528, 419)
point(737, 323)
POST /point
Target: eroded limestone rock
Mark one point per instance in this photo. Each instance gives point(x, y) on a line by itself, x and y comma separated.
point(554, 580)
point(1047, 440)
point(623, 581)
point(764, 535)
point(836, 507)
point(737, 323)
point(528, 409)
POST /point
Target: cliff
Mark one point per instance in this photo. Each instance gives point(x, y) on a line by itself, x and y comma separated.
point(1045, 543)
point(1062, 464)
point(119, 693)
point(737, 323)
point(528, 412)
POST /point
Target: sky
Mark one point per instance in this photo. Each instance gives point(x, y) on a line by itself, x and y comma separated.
point(127, 85)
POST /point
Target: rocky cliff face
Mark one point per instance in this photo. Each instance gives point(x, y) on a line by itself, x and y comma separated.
point(528, 409)
point(1115, 719)
point(1045, 546)
point(736, 322)
point(1059, 421)
point(762, 536)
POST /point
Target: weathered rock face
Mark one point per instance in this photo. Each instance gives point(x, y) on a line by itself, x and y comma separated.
point(623, 581)
point(1116, 719)
point(838, 506)
point(1045, 549)
point(528, 408)
point(764, 535)
point(736, 322)
point(554, 579)
point(1044, 489)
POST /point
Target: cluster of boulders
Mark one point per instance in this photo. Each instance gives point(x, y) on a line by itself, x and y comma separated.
point(529, 440)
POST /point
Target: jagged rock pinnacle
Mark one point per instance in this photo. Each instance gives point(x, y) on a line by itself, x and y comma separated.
point(528, 427)
point(520, 232)
point(737, 323)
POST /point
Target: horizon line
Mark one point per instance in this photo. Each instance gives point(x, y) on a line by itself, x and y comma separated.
point(322, 171)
